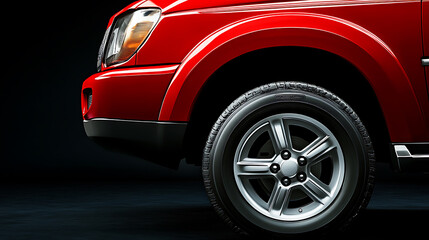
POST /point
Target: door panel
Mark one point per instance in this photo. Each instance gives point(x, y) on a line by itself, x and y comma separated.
point(425, 28)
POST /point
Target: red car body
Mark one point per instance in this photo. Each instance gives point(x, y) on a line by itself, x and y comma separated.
point(385, 40)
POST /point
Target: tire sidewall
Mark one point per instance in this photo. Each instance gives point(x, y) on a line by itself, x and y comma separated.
point(258, 107)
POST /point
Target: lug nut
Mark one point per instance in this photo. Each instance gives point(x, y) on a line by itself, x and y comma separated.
point(285, 154)
point(286, 181)
point(302, 161)
point(275, 168)
point(301, 176)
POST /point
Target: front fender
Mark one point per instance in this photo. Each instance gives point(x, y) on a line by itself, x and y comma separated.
point(364, 50)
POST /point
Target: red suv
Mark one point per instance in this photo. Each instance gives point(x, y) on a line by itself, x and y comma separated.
point(284, 103)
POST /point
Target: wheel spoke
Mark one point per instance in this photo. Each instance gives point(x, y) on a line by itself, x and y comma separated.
point(254, 167)
point(280, 135)
point(318, 150)
point(279, 199)
point(284, 183)
point(317, 190)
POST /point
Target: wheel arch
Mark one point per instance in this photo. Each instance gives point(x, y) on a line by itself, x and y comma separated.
point(222, 83)
point(366, 52)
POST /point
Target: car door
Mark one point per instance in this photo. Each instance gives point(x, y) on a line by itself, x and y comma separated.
point(425, 32)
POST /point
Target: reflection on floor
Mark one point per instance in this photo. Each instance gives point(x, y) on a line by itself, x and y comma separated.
point(176, 210)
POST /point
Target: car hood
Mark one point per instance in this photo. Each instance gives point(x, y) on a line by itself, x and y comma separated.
point(169, 6)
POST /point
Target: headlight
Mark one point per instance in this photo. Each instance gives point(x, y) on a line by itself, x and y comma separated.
point(128, 33)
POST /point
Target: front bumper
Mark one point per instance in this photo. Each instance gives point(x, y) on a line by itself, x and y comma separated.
point(127, 93)
point(120, 109)
point(159, 142)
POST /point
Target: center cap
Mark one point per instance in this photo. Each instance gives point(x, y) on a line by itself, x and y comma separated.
point(289, 168)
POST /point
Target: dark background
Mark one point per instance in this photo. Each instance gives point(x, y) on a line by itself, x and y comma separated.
point(57, 184)
point(51, 48)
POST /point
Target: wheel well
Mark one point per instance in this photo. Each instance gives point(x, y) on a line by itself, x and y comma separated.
point(285, 64)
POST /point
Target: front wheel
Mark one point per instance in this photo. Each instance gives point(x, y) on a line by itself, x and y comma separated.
point(288, 159)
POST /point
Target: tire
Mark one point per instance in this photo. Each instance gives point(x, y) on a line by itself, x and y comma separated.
point(288, 159)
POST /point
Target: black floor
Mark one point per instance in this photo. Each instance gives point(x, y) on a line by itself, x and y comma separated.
point(178, 210)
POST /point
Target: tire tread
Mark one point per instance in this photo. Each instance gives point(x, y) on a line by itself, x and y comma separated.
point(206, 163)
